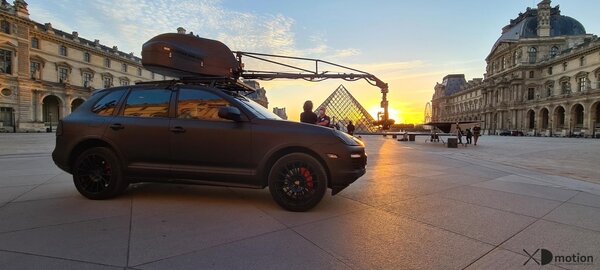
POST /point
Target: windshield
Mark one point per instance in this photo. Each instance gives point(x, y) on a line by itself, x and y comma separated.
point(260, 111)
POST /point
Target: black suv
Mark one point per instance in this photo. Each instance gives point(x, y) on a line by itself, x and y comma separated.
point(201, 134)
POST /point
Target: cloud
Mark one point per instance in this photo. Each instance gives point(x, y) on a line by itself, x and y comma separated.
point(129, 23)
point(344, 53)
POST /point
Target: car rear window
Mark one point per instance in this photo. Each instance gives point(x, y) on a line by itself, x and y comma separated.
point(106, 105)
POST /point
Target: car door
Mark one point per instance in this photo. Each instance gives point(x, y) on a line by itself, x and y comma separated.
point(206, 147)
point(140, 132)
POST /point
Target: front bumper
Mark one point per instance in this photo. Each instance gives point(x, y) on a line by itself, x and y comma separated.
point(346, 168)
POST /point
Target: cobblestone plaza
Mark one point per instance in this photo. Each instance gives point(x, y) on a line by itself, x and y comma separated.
point(420, 206)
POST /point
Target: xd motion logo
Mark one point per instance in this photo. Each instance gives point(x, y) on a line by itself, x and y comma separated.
point(547, 257)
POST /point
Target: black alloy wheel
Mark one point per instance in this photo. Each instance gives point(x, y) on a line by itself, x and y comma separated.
point(297, 182)
point(97, 174)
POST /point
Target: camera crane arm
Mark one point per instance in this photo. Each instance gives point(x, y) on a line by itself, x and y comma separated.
point(199, 60)
point(315, 75)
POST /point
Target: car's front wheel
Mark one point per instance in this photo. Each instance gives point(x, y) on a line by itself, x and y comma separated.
point(297, 182)
point(97, 174)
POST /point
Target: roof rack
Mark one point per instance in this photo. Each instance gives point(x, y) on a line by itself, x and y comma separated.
point(224, 83)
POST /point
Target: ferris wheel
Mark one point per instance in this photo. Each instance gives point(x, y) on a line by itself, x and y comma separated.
point(427, 113)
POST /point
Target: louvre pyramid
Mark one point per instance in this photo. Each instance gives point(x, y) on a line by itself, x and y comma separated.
point(342, 107)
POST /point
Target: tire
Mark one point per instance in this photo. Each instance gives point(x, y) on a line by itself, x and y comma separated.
point(97, 174)
point(297, 182)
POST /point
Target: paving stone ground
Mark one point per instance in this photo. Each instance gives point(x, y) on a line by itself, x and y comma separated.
point(420, 206)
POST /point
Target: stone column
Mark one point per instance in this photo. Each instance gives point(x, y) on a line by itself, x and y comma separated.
point(64, 108)
point(568, 120)
point(67, 110)
point(39, 106)
point(551, 126)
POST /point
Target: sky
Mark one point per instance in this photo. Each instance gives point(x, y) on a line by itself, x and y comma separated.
point(411, 45)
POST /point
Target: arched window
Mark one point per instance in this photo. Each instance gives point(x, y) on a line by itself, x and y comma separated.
point(515, 57)
point(532, 55)
point(553, 51)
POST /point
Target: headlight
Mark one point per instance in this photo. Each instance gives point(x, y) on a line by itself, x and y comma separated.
point(347, 139)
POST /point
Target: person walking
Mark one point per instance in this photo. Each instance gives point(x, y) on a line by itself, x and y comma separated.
point(476, 133)
point(469, 135)
point(308, 116)
point(350, 128)
point(459, 134)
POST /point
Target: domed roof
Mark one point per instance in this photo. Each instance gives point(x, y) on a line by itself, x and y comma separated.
point(559, 26)
point(525, 26)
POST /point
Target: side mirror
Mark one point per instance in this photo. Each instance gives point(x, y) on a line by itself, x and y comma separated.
point(230, 113)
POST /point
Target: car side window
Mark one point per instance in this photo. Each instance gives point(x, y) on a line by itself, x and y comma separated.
point(148, 103)
point(199, 104)
point(106, 105)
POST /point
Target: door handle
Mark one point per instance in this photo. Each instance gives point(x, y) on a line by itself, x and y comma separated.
point(116, 126)
point(177, 130)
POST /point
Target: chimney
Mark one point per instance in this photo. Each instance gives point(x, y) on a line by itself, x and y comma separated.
point(21, 9)
point(180, 30)
point(543, 17)
point(49, 28)
point(4, 5)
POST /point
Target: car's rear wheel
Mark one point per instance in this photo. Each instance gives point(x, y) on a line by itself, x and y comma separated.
point(97, 174)
point(297, 182)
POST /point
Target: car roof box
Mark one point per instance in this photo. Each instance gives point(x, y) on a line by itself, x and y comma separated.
point(186, 56)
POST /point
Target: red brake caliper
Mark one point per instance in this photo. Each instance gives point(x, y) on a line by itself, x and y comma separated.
point(106, 168)
point(309, 179)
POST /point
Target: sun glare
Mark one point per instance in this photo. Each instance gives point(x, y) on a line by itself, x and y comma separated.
point(394, 114)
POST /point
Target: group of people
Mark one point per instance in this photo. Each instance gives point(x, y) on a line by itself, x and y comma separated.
point(309, 117)
point(475, 133)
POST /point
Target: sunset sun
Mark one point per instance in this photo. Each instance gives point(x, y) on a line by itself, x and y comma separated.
point(393, 113)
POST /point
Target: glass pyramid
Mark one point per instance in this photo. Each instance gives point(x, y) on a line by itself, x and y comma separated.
point(342, 107)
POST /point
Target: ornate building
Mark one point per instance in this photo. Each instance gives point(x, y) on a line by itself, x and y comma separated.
point(46, 73)
point(280, 112)
point(542, 78)
point(260, 95)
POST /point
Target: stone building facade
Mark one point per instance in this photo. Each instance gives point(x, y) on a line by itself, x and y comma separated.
point(259, 95)
point(280, 112)
point(542, 78)
point(46, 73)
